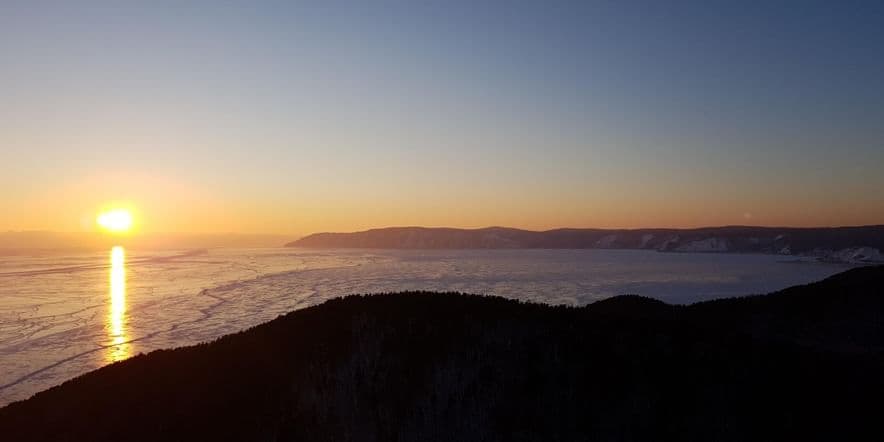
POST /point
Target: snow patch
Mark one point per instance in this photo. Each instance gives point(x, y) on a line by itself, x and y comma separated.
point(669, 243)
point(858, 255)
point(606, 241)
point(705, 245)
point(851, 255)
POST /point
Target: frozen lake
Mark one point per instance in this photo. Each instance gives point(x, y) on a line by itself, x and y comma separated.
point(62, 316)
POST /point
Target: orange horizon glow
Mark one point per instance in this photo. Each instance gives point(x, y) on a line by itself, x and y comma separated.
point(171, 204)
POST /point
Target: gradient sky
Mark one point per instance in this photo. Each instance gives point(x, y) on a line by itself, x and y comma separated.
point(272, 117)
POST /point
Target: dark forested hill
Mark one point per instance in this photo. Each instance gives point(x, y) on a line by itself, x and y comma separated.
point(806, 363)
point(859, 244)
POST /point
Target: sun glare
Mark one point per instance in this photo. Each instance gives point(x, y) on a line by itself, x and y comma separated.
point(116, 220)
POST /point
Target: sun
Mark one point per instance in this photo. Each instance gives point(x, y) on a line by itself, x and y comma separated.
point(115, 220)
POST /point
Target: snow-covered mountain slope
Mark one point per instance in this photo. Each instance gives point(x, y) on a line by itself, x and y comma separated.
point(842, 244)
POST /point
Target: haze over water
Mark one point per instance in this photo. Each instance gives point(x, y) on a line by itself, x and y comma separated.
point(61, 316)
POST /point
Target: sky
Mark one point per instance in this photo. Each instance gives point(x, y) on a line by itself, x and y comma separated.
point(298, 117)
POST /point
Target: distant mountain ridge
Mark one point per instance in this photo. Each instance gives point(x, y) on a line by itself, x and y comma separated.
point(841, 244)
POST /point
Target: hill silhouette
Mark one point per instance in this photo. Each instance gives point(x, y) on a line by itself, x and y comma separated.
point(805, 363)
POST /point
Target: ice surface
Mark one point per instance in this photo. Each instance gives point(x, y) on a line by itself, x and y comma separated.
point(57, 318)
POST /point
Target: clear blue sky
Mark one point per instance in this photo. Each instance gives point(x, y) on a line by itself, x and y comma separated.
point(269, 116)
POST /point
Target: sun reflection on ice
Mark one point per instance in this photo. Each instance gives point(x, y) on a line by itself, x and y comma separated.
point(118, 348)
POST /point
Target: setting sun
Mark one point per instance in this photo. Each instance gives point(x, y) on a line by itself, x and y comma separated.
point(116, 220)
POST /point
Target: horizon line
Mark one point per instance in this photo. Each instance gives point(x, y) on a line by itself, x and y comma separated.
point(446, 227)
